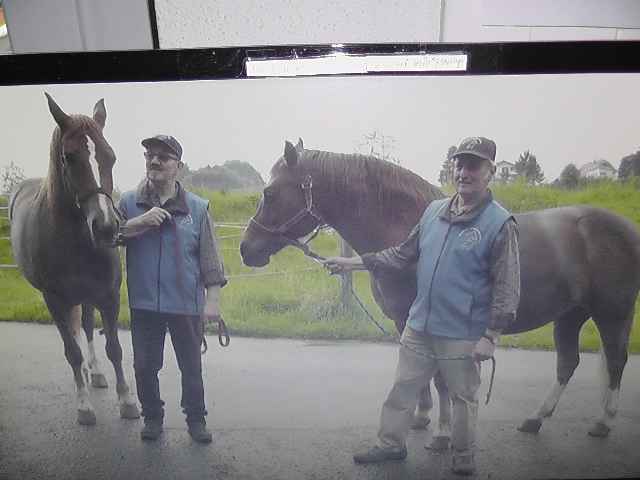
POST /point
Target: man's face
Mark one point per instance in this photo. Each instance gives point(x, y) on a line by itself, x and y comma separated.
point(162, 164)
point(472, 175)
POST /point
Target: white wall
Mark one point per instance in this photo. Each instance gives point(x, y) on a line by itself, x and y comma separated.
point(540, 20)
point(76, 25)
point(206, 23)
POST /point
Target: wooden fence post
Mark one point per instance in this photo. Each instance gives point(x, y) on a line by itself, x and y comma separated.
point(346, 278)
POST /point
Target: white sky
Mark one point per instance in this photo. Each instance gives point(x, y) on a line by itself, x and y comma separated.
point(561, 119)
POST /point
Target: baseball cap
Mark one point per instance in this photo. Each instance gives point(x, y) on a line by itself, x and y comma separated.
point(168, 141)
point(478, 146)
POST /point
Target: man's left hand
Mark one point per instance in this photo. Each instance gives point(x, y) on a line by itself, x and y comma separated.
point(484, 349)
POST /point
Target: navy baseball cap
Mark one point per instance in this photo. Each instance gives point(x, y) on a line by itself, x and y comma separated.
point(168, 141)
point(478, 146)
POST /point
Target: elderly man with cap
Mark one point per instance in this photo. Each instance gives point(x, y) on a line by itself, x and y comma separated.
point(174, 276)
point(465, 249)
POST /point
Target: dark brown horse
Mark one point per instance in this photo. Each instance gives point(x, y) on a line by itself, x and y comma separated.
point(576, 262)
point(63, 232)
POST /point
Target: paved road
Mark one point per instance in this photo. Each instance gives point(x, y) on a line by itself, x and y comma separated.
point(286, 409)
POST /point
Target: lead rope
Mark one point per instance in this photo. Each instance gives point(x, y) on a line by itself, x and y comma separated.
point(319, 258)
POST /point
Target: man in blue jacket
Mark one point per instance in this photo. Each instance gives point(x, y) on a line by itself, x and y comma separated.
point(174, 276)
point(465, 249)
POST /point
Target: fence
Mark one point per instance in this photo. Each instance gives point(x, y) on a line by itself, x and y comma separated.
point(345, 250)
point(4, 217)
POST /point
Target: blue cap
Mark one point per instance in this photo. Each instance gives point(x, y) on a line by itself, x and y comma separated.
point(477, 146)
point(168, 141)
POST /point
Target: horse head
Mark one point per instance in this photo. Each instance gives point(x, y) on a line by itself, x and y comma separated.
point(286, 211)
point(81, 171)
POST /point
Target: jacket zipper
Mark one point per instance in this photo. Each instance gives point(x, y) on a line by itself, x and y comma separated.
point(159, 265)
point(435, 269)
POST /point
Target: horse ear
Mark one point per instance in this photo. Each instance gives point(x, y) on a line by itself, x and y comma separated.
point(61, 118)
point(290, 154)
point(300, 145)
point(100, 113)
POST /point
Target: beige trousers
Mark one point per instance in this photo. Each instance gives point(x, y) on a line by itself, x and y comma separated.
point(420, 356)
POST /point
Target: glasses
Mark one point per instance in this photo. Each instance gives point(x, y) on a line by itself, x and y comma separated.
point(163, 157)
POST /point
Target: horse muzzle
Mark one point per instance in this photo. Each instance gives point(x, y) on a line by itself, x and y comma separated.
point(252, 257)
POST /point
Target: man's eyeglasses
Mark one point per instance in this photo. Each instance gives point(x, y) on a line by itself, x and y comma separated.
point(163, 157)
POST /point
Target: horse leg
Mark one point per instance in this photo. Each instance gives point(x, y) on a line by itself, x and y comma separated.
point(566, 336)
point(615, 338)
point(98, 379)
point(127, 402)
point(442, 438)
point(66, 317)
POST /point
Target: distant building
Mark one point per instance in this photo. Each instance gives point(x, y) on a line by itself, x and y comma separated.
point(505, 171)
point(598, 169)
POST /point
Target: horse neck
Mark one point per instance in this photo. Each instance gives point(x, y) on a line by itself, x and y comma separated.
point(59, 201)
point(361, 213)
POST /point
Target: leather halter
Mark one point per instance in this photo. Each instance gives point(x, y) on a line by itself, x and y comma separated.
point(282, 229)
point(98, 191)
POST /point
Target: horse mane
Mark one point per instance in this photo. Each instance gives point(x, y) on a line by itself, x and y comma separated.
point(370, 182)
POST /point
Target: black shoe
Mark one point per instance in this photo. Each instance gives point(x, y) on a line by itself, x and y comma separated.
point(463, 464)
point(200, 433)
point(152, 429)
point(381, 454)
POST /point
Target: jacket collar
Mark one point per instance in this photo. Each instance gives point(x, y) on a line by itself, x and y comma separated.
point(467, 216)
point(147, 197)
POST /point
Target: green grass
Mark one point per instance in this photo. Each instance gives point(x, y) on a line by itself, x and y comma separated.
point(301, 301)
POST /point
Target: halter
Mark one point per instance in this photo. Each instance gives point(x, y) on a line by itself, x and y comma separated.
point(282, 229)
point(98, 191)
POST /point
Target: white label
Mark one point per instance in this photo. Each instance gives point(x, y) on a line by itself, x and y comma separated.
point(337, 64)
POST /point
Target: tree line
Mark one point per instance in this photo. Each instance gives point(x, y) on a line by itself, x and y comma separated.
point(528, 170)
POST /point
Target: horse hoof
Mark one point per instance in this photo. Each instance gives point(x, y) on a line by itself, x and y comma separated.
point(440, 443)
point(98, 380)
point(129, 411)
point(530, 425)
point(599, 430)
point(86, 417)
point(420, 423)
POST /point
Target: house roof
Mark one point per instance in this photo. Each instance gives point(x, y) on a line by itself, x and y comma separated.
point(600, 163)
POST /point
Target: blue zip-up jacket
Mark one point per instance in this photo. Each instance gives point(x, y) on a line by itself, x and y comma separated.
point(163, 271)
point(453, 272)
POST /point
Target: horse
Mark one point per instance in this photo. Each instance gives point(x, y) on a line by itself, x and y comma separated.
point(577, 262)
point(63, 236)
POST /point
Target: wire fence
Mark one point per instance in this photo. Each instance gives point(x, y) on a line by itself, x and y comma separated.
point(217, 225)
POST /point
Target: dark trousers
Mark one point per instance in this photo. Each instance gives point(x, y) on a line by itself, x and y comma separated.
point(148, 333)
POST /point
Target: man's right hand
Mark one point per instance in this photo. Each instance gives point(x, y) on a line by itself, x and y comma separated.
point(154, 217)
point(337, 265)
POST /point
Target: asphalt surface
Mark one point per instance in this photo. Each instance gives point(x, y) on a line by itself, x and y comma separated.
point(283, 409)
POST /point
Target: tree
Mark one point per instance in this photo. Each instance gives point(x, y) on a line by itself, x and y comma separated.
point(380, 146)
point(448, 166)
point(570, 176)
point(528, 168)
point(629, 166)
point(11, 176)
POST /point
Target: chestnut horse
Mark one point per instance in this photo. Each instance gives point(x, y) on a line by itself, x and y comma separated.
point(577, 262)
point(63, 237)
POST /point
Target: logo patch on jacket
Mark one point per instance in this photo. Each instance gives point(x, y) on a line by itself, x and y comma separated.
point(187, 220)
point(469, 237)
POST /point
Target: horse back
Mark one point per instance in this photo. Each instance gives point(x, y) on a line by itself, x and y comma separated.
point(574, 257)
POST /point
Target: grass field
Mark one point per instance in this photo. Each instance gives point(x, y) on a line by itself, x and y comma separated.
point(294, 297)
